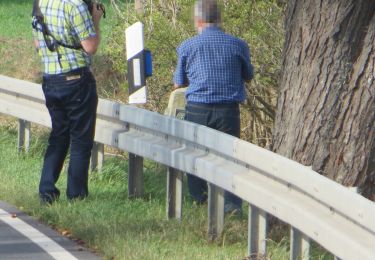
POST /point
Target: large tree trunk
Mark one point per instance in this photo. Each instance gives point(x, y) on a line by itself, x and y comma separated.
point(326, 105)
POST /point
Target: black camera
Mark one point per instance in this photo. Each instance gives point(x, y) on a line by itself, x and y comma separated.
point(99, 6)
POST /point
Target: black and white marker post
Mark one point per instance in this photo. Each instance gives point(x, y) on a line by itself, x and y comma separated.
point(139, 68)
point(139, 64)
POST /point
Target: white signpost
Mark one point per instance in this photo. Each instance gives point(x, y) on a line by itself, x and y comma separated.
point(135, 55)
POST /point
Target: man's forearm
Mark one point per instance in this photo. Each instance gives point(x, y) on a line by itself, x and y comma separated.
point(91, 44)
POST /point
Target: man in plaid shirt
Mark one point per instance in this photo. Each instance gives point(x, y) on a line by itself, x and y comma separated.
point(70, 92)
point(214, 66)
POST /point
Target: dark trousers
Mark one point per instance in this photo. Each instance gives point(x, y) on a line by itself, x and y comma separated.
point(71, 99)
point(222, 117)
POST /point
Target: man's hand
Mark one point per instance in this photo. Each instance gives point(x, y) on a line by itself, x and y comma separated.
point(97, 13)
point(176, 86)
point(36, 43)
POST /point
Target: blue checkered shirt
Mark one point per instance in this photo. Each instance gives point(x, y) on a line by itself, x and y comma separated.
point(214, 65)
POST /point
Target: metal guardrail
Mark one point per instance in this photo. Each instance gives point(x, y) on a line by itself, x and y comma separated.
point(315, 207)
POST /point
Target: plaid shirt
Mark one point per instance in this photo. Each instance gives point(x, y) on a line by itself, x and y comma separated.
point(69, 21)
point(215, 65)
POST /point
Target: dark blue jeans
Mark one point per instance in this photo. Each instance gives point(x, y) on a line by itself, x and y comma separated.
point(71, 99)
point(222, 117)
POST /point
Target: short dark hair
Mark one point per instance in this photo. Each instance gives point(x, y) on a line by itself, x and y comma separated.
point(208, 11)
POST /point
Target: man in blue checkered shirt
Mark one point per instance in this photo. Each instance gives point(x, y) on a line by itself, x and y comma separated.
point(69, 88)
point(214, 65)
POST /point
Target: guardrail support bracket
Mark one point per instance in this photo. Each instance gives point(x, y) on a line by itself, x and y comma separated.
point(97, 157)
point(135, 181)
point(24, 135)
point(215, 211)
point(174, 193)
point(299, 245)
point(257, 232)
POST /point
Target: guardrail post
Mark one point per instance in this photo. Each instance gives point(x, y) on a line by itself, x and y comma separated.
point(24, 135)
point(174, 193)
point(299, 245)
point(135, 182)
point(97, 156)
point(215, 211)
point(257, 232)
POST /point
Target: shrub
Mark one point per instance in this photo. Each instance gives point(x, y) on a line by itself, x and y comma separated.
point(168, 23)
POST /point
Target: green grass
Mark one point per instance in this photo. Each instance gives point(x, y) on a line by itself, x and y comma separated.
point(107, 220)
point(16, 18)
point(115, 226)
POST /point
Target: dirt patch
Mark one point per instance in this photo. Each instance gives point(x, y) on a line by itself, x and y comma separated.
point(19, 59)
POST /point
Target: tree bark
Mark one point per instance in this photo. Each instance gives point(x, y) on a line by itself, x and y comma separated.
point(326, 105)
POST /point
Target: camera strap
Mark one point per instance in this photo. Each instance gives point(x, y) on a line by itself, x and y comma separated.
point(52, 45)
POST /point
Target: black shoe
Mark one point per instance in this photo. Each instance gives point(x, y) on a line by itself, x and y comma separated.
point(76, 198)
point(48, 199)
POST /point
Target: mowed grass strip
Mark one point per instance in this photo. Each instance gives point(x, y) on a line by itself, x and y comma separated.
point(107, 220)
point(115, 226)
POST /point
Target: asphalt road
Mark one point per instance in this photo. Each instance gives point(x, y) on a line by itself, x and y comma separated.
point(22, 237)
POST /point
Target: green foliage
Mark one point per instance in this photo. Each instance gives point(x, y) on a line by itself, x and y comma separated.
point(260, 24)
point(168, 23)
point(163, 33)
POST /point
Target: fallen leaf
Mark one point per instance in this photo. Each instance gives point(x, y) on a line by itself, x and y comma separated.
point(65, 233)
